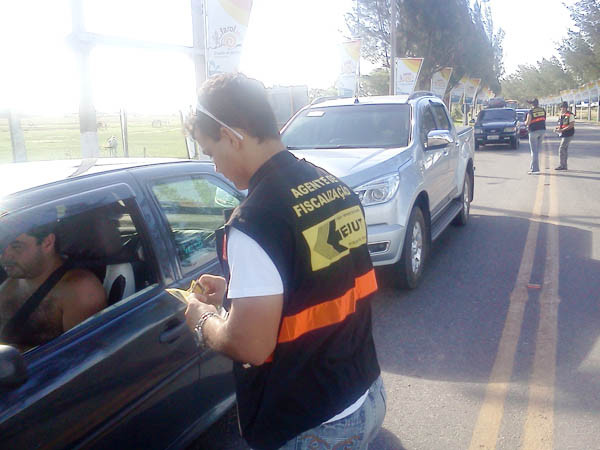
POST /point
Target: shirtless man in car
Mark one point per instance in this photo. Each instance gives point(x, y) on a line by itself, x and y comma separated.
point(29, 260)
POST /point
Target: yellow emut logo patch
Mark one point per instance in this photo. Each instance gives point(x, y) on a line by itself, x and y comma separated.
point(332, 239)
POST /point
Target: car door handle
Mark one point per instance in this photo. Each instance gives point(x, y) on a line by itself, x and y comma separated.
point(172, 334)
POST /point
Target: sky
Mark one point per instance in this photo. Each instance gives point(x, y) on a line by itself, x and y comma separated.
point(522, 20)
point(289, 42)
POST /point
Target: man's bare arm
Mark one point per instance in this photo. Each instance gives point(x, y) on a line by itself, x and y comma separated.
point(82, 296)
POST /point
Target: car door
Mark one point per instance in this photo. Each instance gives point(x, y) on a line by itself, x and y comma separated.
point(127, 377)
point(452, 151)
point(192, 201)
point(434, 163)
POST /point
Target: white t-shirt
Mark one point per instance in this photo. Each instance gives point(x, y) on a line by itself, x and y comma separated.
point(253, 274)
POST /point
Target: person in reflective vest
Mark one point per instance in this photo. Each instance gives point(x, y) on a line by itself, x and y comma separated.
point(566, 131)
point(299, 280)
point(536, 123)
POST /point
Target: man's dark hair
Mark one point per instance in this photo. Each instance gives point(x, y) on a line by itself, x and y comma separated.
point(238, 101)
point(41, 231)
point(534, 102)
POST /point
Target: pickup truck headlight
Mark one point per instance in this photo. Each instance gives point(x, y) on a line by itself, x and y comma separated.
point(478, 130)
point(510, 130)
point(379, 190)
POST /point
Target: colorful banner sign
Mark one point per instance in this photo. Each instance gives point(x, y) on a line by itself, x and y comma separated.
point(458, 91)
point(226, 25)
point(347, 82)
point(407, 74)
point(440, 80)
point(471, 89)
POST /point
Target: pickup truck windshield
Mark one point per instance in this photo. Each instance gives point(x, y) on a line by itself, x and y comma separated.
point(351, 126)
point(497, 115)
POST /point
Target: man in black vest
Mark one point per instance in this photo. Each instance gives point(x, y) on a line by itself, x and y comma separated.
point(299, 278)
point(566, 131)
point(536, 123)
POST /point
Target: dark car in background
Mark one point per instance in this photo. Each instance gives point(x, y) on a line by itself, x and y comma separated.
point(497, 126)
point(131, 375)
point(522, 116)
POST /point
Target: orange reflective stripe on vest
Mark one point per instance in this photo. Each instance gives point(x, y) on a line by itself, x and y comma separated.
point(327, 313)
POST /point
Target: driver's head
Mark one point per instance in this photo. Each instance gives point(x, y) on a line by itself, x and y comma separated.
point(28, 255)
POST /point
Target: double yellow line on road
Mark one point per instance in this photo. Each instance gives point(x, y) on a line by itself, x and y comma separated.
point(539, 424)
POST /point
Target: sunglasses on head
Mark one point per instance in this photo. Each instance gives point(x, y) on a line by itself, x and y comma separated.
point(201, 109)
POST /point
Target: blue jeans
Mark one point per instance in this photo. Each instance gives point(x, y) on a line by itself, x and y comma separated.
point(535, 142)
point(352, 432)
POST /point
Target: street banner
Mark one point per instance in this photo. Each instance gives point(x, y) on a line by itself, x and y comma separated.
point(580, 94)
point(407, 74)
point(471, 89)
point(348, 79)
point(592, 91)
point(458, 91)
point(440, 80)
point(226, 25)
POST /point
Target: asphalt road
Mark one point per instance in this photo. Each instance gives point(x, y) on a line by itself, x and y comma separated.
point(499, 348)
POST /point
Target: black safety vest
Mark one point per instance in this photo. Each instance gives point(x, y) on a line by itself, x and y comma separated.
point(564, 121)
point(313, 228)
point(538, 119)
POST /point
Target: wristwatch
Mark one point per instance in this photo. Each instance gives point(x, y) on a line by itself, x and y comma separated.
point(198, 334)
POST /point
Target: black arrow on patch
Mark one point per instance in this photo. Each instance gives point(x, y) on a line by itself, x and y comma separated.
point(334, 238)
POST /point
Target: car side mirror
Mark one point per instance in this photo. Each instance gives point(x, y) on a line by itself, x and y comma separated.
point(13, 371)
point(438, 139)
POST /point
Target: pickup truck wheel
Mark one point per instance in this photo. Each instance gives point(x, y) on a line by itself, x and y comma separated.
point(462, 217)
point(477, 146)
point(414, 251)
point(513, 143)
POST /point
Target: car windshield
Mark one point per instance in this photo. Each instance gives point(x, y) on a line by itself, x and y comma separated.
point(491, 115)
point(352, 126)
point(521, 116)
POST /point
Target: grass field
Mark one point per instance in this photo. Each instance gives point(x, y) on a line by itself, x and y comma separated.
point(58, 137)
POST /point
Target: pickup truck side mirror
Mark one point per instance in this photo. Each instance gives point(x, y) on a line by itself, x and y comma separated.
point(438, 139)
point(13, 372)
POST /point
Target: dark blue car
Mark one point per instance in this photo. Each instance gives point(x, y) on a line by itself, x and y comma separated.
point(129, 376)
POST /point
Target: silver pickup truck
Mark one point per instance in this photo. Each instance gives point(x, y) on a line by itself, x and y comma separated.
point(412, 169)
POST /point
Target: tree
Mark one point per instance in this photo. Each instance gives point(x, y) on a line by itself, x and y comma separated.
point(375, 83)
point(447, 33)
point(580, 50)
point(547, 77)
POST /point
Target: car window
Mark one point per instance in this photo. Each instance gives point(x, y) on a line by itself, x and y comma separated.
point(441, 117)
point(427, 123)
point(491, 115)
point(349, 126)
point(100, 251)
point(194, 208)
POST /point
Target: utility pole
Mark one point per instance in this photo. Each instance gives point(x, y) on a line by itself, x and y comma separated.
point(394, 14)
point(88, 126)
point(358, 36)
point(16, 137)
point(199, 40)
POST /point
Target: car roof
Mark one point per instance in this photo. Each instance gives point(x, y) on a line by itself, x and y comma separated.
point(17, 177)
point(375, 100)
